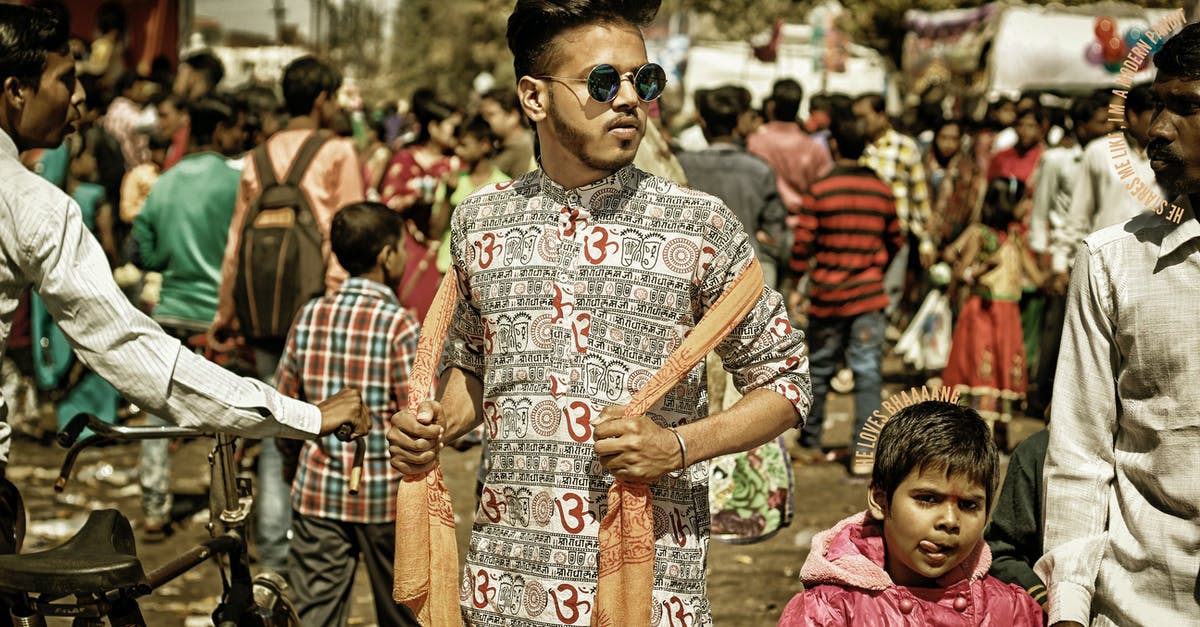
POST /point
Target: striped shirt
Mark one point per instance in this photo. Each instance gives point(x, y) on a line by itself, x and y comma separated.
point(849, 226)
point(358, 336)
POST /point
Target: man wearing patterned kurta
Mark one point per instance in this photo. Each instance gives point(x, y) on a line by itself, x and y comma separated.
point(577, 281)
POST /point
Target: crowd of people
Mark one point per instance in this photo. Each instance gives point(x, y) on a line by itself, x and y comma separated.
point(578, 273)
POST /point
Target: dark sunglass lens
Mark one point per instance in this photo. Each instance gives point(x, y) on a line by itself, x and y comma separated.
point(650, 81)
point(603, 83)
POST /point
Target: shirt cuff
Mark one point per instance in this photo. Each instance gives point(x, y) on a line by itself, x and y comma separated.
point(1070, 602)
point(1059, 263)
point(297, 420)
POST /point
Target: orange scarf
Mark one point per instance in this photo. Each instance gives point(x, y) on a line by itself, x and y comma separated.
point(426, 566)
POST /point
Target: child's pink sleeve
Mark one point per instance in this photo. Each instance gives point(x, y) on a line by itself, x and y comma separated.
point(812, 608)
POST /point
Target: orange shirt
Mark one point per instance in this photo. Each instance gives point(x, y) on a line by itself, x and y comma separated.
point(332, 181)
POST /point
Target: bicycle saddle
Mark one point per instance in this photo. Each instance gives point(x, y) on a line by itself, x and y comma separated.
point(100, 557)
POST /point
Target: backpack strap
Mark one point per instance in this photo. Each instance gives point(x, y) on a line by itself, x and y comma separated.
point(264, 168)
point(304, 157)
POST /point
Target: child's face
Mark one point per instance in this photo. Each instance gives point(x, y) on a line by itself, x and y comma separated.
point(931, 524)
point(470, 149)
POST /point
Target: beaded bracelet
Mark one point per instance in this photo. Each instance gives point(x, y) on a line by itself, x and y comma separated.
point(682, 448)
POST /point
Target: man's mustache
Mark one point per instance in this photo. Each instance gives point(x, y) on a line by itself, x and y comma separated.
point(1159, 150)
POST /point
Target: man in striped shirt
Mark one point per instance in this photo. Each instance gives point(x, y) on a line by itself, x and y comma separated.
point(849, 232)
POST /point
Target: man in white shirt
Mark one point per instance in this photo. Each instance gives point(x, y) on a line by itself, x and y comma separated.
point(44, 245)
point(1100, 196)
point(1122, 503)
point(1054, 184)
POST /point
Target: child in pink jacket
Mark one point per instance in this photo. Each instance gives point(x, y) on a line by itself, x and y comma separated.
point(917, 555)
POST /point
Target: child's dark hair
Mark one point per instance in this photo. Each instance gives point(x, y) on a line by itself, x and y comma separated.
point(534, 24)
point(477, 127)
point(360, 231)
point(850, 136)
point(1000, 201)
point(936, 436)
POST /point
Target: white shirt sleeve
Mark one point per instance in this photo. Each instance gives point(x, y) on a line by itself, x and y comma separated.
point(1080, 216)
point(1080, 460)
point(67, 267)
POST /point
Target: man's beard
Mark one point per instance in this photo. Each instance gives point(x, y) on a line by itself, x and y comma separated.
point(575, 143)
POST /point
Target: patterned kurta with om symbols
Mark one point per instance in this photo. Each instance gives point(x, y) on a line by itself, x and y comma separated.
point(570, 300)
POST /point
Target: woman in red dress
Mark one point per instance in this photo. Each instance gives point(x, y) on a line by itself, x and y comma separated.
point(987, 355)
point(414, 171)
point(408, 186)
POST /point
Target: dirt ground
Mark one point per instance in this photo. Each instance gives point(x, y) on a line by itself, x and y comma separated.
point(748, 585)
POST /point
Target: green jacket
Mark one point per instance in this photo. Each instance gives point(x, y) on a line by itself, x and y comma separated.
point(1015, 533)
point(182, 231)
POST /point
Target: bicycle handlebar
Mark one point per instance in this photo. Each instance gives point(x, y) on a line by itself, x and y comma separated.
point(105, 432)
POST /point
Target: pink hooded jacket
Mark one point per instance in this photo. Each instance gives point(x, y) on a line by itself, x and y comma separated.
point(845, 584)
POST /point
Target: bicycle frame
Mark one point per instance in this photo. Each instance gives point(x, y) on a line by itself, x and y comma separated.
point(245, 600)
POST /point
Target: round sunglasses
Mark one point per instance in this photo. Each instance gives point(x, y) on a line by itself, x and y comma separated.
point(604, 81)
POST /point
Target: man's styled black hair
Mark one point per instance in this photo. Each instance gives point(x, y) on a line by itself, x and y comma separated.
point(26, 35)
point(359, 232)
point(720, 109)
point(303, 80)
point(534, 24)
point(208, 66)
point(208, 112)
point(786, 94)
point(1180, 55)
point(940, 437)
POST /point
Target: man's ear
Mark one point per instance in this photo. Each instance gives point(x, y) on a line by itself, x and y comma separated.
point(381, 258)
point(531, 93)
point(319, 102)
point(877, 502)
point(13, 92)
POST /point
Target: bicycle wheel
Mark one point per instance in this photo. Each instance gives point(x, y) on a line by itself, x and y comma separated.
point(272, 608)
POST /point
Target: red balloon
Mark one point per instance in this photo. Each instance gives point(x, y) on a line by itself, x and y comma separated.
point(1114, 50)
point(1105, 27)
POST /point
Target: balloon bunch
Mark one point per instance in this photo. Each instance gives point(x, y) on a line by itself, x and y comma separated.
point(1110, 46)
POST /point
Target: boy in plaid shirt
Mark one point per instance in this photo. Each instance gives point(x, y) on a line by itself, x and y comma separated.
point(357, 336)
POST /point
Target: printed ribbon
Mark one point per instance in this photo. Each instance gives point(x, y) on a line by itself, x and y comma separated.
point(426, 562)
point(624, 590)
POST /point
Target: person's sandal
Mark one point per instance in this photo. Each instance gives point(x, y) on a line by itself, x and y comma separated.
point(154, 531)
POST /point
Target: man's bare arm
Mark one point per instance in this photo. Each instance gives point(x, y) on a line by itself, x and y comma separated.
point(637, 449)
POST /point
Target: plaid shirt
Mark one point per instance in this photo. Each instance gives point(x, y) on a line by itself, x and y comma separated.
point(897, 160)
point(359, 336)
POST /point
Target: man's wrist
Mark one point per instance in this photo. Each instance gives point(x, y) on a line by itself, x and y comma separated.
point(683, 456)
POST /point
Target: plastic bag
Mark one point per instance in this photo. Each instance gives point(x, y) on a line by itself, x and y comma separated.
point(925, 344)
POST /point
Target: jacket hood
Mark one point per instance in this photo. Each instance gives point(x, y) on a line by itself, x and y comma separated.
point(851, 554)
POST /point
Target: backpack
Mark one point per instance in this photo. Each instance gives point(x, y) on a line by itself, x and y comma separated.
point(280, 265)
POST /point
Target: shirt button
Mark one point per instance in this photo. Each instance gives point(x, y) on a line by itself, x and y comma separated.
point(906, 606)
point(960, 603)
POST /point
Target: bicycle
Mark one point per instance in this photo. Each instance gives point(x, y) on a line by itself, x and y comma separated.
point(100, 567)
